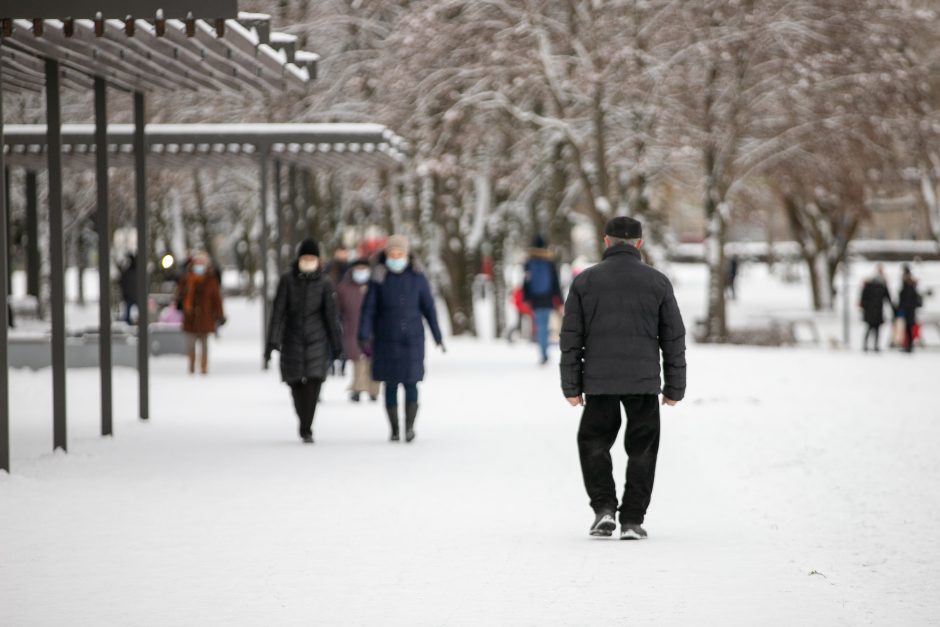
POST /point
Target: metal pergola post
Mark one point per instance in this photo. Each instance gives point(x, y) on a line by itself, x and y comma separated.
point(33, 261)
point(56, 254)
point(4, 322)
point(278, 218)
point(143, 287)
point(295, 227)
point(103, 220)
point(263, 246)
point(306, 181)
point(8, 219)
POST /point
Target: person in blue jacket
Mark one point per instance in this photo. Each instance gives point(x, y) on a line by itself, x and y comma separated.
point(541, 291)
point(391, 329)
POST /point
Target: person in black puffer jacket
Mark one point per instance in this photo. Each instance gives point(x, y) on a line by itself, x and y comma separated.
point(618, 317)
point(305, 329)
point(909, 301)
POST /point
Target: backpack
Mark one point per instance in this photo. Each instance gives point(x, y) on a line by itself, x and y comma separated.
point(541, 281)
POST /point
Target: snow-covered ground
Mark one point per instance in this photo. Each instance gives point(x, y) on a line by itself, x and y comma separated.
point(794, 487)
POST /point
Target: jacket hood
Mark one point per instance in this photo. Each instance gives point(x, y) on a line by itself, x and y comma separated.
point(541, 253)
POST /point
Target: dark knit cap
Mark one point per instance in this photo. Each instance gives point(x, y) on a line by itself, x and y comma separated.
point(538, 242)
point(308, 247)
point(623, 227)
point(361, 261)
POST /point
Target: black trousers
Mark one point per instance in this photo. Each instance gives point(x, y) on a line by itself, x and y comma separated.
point(306, 396)
point(600, 425)
point(872, 330)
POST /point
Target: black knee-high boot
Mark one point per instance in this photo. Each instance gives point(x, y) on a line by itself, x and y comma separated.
point(411, 412)
point(392, 411)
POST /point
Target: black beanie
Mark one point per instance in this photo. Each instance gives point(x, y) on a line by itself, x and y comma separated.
point(308, 247)
point(623, 227)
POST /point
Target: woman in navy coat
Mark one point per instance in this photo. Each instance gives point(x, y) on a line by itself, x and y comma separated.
point(392, 330)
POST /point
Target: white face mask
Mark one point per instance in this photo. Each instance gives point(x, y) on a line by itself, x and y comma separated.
point(361, 275)
point(308, 266)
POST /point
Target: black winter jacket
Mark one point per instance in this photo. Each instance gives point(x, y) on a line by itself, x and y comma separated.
point(909, 300)
point(305, 325)
point(618, 316)
point(874, 296)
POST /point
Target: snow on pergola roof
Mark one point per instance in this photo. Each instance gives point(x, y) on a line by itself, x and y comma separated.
point(158, 54)
point(186, 145)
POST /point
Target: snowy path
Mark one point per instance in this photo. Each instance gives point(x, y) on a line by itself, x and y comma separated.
point(779, 464)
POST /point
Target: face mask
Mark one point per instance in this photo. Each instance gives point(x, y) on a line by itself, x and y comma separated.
point(397, 265)
point(308, 266)
point(360, 276)
point(199, 270)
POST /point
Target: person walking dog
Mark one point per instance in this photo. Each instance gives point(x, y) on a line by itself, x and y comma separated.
point(392, 331)
point(305, 328)
point(619, 316)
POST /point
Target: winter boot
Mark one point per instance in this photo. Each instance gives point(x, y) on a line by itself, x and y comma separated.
point(354, 397)
point(393, 421)
point(308, 439)
point(632, 531)
point(604, 524)
point(411, 412)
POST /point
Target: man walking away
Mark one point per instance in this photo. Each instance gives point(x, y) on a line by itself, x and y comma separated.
point(618, 317)
point(541, 291)
point(874, 296)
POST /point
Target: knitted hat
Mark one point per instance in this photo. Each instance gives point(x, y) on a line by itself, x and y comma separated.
point(623, 227)
point(397, 241)
point(308, 247)
point(361, 261)
point(538, 242)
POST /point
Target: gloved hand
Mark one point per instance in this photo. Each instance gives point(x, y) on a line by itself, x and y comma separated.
point(366, 347)
point(222, 321)
point(442, 347)
point(267, 354)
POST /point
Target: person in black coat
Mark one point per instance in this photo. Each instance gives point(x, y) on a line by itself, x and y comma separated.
point(128, 284)
point(874, 296)
point(391, 329)
point(909, 301)
point(305, 329)
point(619, 316)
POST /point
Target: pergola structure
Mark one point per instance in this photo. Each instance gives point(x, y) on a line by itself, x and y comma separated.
point(138, 46)
point(305, 146)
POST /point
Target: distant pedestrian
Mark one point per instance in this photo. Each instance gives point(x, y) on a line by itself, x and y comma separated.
point(541, 291)
point(909, 301)
point(128, 285)
point(201, 297)
point(392, 331)
point(619, 316)
point(336, 270)
point(733, 263)
point(305, 328)
point(872, 302)
point(350, 293)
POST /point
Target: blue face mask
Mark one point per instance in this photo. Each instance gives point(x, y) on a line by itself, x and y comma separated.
point(361, 276)
point(397, 265)
point(199, 270)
